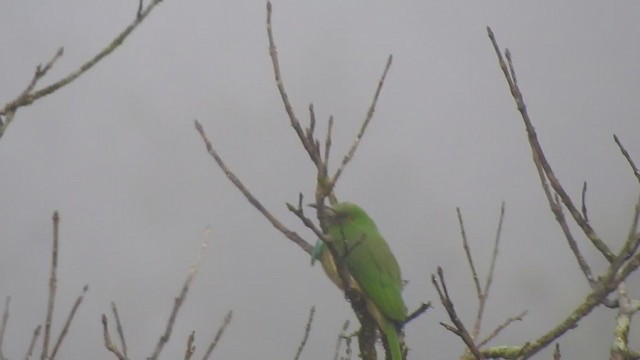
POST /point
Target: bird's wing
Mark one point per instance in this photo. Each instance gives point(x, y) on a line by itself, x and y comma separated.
point(373, 265)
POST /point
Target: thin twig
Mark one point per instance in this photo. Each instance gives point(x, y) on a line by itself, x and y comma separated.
point(501, 327)
point(9, 110)
point(53, 282)
point(494, 255)
point(32, 344)
point(216, 339)
point(584, 201)
point(484, 295)
point(341, 337)
point(291, 235)
point(107, 340)
point(139, 12)
point(67, 323)
point(364, 125)
point(458, 328)
point(633, 238)
point(305, 337)
point(3, 325)
point(181, 298)
point(556, 352)
point(327, 142)
point(538, 154)
point(29, 95)
point(293, 119)
point(618, 269)
point(626, 155)
point(467, 251)
point(311, 145)
point(556, 208)
point(119, 329)
point(299, 212)
point(348, 340)
point(190, 347)
point(419, 311)
point(546, 177)
point(312, 123)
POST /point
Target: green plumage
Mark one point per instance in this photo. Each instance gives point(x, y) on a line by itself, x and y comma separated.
point(367, 256)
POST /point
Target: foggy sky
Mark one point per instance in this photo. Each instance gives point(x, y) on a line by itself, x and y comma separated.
point(117, 154)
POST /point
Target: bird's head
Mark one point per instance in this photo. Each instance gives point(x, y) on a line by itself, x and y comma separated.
point(344, 212)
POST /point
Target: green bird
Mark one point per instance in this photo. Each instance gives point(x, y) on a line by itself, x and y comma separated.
point(367, 256)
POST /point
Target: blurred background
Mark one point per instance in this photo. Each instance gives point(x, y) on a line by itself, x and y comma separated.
point(117, 154)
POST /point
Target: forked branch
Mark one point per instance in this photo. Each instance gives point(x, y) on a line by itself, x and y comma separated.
point(539, 156)
point(621, 264)
point(291, 235)
point(193, 270)
point(458, 327)
point(29, 95)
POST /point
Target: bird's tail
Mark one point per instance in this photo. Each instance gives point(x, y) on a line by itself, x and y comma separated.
point(393, 339)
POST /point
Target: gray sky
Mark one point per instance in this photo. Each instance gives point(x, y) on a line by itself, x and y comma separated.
point(117, 154)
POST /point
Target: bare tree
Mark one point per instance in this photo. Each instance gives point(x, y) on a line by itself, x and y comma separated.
point(612, 280)
point(608, 289)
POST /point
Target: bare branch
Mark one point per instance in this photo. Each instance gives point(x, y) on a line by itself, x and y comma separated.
point(584, 201)
point(538, 154)
point(119, 329)
point(295, 123)
point(605, 285)
point(364, 125)
point(53, 282)
point(32, 344)
point(312, 123)
point(28, 96)
point(181, 298)
point(494, 255)
point(467, 251)
point(419, 311)
point(341, 336)
point(573, 245)
point(291, 235)
point(190, 347)
point(327, 142)
point(324, 189)
point(458, 328)
point(216, 339)
point(67, 323)
point(139, 12)
point(546, 176)
point(501, 327)
point(107, 340)
point(627, 156)
point(299, 212)
point(633, 237)
point(9, 110)
point(556, 352)
point(484, 294)
point(3, 325)
point(307, 330)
